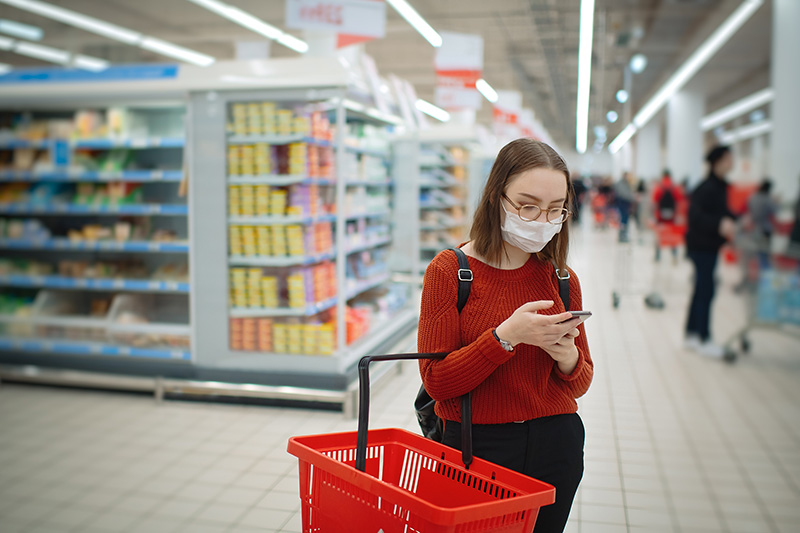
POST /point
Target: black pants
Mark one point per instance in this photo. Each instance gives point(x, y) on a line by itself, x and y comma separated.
point(549, 449)
point(700, 308)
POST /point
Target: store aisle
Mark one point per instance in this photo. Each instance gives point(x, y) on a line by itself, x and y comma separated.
point(675, 443)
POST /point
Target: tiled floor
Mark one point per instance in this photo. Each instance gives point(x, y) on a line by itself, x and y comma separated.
point(675, 443)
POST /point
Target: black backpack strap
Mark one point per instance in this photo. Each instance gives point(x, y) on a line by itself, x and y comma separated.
point(563, 285)
point(464, 278)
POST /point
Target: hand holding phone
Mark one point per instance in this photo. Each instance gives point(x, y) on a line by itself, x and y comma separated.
point(583, 315)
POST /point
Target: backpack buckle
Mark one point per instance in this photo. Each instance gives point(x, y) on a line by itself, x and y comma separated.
point(464, 274)
point(559, 271)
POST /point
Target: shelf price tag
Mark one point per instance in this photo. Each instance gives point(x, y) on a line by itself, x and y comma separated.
point(364, 18)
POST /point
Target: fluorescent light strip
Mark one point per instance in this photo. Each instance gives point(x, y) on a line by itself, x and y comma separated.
point(6, 43)
point(486, 90)
point(584, 75)
point(90, 63)
point(694, 63)
point(737, 109)
point(5, 68)
point(746, 132)
point(45, 53)
point(253, 23)
point(112, 31)
point(417, 22)
point(21, 31)
point(431, 110)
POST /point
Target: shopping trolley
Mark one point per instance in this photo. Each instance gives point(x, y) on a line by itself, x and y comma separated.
point(393, 481)
point(771, 286)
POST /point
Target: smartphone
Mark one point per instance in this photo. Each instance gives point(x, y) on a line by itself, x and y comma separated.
point(583, 315)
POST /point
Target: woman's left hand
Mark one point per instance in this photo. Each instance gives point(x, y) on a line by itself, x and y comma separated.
point(564, 352)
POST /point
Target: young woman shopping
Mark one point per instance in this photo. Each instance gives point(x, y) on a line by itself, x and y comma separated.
point(513, 346)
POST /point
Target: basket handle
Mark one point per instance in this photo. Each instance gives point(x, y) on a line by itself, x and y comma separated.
point(363, 407)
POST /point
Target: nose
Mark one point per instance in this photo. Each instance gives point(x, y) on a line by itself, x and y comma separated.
point(542, 216)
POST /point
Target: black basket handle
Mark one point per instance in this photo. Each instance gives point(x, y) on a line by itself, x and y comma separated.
point(363, 406)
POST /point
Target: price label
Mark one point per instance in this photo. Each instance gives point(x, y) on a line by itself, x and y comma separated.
point(141, 143)
point(157, 175)
point(118, 284)
point(124, 350)
point(83, 283)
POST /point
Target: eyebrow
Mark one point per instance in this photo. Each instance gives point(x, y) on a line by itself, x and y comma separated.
point(537, 199)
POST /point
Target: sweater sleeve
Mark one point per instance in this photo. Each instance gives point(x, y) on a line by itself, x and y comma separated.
point(465, 367)
point(581, 377)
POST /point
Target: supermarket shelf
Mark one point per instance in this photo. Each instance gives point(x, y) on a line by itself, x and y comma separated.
point(100, 284)
point(278, 180)
point(279, 261)
point(370, 214)
point(63, 243)
point(276, 139)
point(382, 154)
point(268, 221)
point(264, 312)
point(439, 205)
point(369, 183)
point(368, 245)
point(89, 348)
point(434, 247)
point(11, 143)
point(150, 142)
point(437, 227)
point(83, 322)
point(426, 184)
point(367, 284)
point(77, 209)
point(133, 176)
point(437, 162)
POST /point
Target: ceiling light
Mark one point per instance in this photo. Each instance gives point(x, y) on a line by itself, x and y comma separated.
point(612, 116)
point(45, 53)
point(5, 68)
point(251, 22)
point(23, 31)
point(622, 96)
point(6, 43)
point(757, 116)
point(78, 20)
point(694, 63)
point(584, 74)
point(416, 20)
point(746, 132)
point(178, 52)
point(90, 63)
point(486, 90)
point(429, 109)
point(112, 31)
point(737, 108)
point(623, 137)
point(638, 63)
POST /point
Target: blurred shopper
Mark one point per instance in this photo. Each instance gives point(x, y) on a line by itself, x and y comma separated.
point(711, 223)
point(794, 236)
point(579, 188)
point(623, 200)
point(667, 197)
point(523, 358)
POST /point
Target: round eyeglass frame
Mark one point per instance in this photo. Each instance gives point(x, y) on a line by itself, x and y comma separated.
point(566, 212)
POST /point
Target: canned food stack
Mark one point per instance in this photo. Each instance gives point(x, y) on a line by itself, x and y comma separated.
point(235, 240)
point(285, 122)
point(302, 126)
point(264, 335)
point(234, 200)
point(297, 158)
point(269, 291)
point(240, 119)
point(268, 120)
point(246, 201)
point(239, 287)
point(297, 289)
point(295, 338)
point(263, 159)
point(233, 160)
point(280, 338)
point(277, 202)
point(264, 240)
point(294, 237)
point(262, 199)
point(249, 241)
point(279, 246)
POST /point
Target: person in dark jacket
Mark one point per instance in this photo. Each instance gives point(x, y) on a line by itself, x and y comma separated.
point(711, 224)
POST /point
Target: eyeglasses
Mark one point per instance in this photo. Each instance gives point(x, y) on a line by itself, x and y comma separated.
point(529, 213)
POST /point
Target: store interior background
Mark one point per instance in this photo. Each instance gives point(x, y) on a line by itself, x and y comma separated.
point(149, 172)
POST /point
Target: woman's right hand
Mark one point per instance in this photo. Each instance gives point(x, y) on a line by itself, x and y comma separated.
point(527, 326)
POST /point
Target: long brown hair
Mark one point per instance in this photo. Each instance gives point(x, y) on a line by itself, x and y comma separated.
point(515, 158)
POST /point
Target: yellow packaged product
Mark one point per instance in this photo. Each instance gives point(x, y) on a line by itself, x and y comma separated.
point(278, 202)
point(295, 338)
point(280, 338)
point(326, 341)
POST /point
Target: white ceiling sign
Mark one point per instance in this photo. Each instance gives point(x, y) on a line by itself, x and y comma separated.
point(353, 17)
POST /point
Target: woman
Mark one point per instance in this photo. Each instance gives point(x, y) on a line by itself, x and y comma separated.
point(710, 225)
point(523, 357)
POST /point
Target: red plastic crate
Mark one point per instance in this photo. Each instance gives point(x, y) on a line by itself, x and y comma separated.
point(411, 485)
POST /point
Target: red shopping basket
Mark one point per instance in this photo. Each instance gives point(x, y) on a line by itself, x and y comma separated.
point(405, 483)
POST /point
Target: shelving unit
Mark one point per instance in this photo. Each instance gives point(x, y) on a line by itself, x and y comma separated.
point(76, 220)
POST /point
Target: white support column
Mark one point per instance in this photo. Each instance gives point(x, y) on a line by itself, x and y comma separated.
point(684, 136)
point(648, 151)
point(785, 114)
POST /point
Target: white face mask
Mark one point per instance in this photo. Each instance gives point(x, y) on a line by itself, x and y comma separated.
point(530, 237)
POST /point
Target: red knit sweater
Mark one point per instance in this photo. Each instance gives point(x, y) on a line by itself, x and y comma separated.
point(506, 386)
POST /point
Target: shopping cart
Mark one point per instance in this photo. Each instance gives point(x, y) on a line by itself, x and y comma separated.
point(393, 481)
point(771, 286)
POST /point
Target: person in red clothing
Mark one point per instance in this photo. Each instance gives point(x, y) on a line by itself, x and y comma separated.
point(668, 199)
point(523, 357)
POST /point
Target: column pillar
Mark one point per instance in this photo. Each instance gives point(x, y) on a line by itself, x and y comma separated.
point(685, 149)
point(648, 151)
point(785, 113)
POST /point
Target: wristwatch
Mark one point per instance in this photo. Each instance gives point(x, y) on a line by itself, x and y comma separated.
point(505, 344)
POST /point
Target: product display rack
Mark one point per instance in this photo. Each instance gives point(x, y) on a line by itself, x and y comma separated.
point(56, 319)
